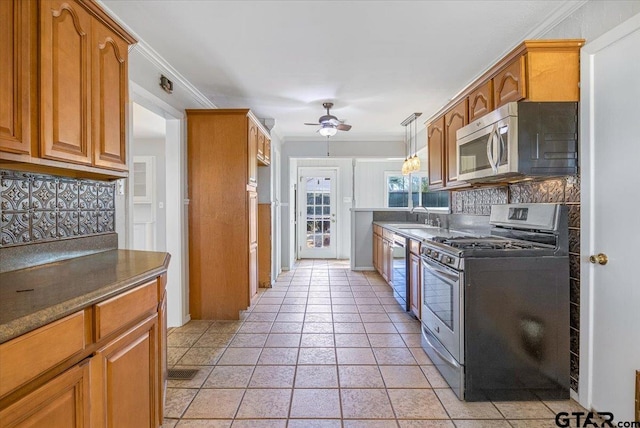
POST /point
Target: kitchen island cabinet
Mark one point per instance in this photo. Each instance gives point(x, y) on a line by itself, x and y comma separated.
point(110, 351)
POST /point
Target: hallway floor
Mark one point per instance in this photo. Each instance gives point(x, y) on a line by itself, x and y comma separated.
point(325, 347)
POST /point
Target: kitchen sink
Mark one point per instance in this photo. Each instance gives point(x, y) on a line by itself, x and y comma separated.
point(412, 226)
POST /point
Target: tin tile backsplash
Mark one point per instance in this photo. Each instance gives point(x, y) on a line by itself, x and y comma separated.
point(37, 208)
point(563, 190)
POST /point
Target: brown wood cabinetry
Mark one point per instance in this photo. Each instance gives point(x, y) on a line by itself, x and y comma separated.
point(80, 79)
point(536, 70)
point(435, 146)
point(103, 366)
point(264, 149)
point(221, 154)
point(264, 242)
point(18, 83)
point(415, 287)
point(267, 151)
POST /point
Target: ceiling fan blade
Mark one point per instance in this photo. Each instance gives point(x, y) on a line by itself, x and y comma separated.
point(343, 127)
point(314, 124)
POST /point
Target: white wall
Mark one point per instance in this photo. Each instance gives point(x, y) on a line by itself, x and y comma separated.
point(370, 183)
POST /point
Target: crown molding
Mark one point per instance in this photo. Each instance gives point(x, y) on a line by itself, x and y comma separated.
point(157, 60)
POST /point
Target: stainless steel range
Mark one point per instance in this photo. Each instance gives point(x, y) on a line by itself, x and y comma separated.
point(495, 310)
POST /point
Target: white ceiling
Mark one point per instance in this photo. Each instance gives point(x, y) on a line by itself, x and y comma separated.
point(378, 61)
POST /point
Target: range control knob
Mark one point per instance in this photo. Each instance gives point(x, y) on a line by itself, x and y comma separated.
point(435, 254)
point(449, 259)
point(428, 252)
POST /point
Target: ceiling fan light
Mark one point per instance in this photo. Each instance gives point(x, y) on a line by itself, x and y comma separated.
point(327, 130)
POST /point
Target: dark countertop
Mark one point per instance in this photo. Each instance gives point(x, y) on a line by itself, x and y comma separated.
point(33, 297)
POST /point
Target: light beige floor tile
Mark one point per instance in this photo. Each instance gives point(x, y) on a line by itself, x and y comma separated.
point(265, 403)
point(355, 356)
point(259, 423)
point(408, 327)
point(286, 327)
point(240, 356)
point(319, 300)
point(481, 423)
point(270, 300)
point(524, 409)
point(371, 309)
point(315, 403)
point(346, 317)
point(215, 404)
point(344, 309)
point(425, 423)
point(169, 423)
point(283, 340)
point(365, 403)
point(380, 423)
point(290, 317)
point(466, 410)
point(260, 317)
point(343, 301)
point(316, 376)
point(315, 423)
point(360, 377)
point(318, 317)
point(182, 340)
point(320, 339)
point(174, 354)
point(293, 309)
point(349, 340)
point(381, 340)
point(434, 377)
point(214, 340)
point(266, 308)
point(177, 400)
point(537, 423)
point(256, 326)
point(272, 377)
point(317, 327)
point(220, 327)
point(294, 301)
point(392, 308)
point(569, 406)
point(380, 327)
point(194, 326)
point(403, 377)
point(348, 327)
point(201, 356)
point(317, 356)
point(319, 308)
point(421, 357)
point(394, 356)
point(203, 423)
point(416, 404)
point(412, 340)
point(367, 301)
point(401, 317)
point(278, 356)
point(248, 340)
point(229, 377)
point(195, 382)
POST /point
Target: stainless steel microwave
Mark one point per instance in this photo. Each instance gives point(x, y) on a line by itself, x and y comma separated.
point(536, 139)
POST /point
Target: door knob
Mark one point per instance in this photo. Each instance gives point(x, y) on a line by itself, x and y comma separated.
point(601, 259)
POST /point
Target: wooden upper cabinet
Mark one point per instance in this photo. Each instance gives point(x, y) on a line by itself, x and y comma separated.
point(264, 148)
point(109, 94)
point(435, 150)
point(18, 85)
point(252, 178)
point(454, 119)
point(261, 142)
point(267, 151)
point(481, 101)
point(65, 81)
point(509, 84)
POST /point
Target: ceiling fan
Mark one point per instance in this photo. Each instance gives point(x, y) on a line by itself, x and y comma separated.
point(329, 124)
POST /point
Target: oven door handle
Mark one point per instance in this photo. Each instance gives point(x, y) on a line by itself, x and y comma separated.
point(439, 272)
point(427, 335)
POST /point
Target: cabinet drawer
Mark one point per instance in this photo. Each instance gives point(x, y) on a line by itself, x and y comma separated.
point(26, 357)
point(377, 229)
point(121, 310)
point(414, 247)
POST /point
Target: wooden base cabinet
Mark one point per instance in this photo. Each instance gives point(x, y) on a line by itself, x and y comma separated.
point(63, 402)
point(415, 287)
point(264, 242)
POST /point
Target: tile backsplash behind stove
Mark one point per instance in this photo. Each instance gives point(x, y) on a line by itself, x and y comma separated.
point(563, 190)
point(37, 208)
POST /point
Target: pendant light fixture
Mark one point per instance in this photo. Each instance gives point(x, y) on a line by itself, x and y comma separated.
point(411, 164)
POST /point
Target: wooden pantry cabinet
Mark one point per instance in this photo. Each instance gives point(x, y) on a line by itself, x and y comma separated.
point(536, 70)
point(66, 113)
point(102, 366)
point(223, 211)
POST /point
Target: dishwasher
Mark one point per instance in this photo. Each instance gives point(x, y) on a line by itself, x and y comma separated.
point(400, 268)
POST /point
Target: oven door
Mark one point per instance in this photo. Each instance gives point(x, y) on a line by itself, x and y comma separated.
point(442, 305)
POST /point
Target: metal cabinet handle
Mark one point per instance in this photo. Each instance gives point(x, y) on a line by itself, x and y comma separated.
point(600, 259)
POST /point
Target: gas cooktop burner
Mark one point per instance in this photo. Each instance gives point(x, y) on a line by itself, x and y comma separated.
point(483, 243)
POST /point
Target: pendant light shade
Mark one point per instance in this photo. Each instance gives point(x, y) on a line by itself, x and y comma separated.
point(411, 164)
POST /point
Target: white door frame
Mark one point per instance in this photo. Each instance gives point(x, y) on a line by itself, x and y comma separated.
point(588, 200)
point(176, 203)
point(310, 170)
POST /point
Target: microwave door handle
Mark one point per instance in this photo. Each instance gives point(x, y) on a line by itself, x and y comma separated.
point(501, 147)
point(491, 149)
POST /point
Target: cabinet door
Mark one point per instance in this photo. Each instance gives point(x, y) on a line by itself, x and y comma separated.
point(261, 140)
point(375, 251)
point(509, 85)
point(65, 86)
point(253, 244)
point(435, 148)
point(109, 94)
point(64, 401)
point(383, 260)
point(252, 155)
point(455, 119)
point(481, 101)
point(18, 111)
point(163, 370)
point(414, 284)
point(124, 379)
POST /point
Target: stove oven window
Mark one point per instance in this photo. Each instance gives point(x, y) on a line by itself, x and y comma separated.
point(438, 297)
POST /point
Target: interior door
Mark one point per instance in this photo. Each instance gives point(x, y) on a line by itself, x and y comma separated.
point(610, 154)
point(317, 214)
